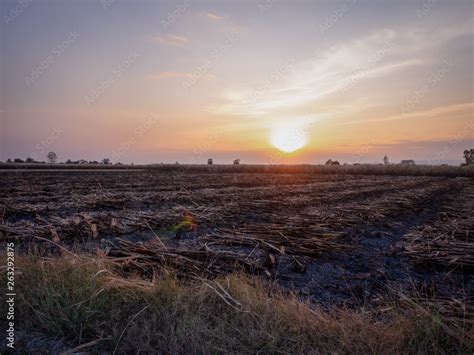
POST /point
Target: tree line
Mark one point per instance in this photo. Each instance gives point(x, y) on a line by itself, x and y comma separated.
point(52, 158)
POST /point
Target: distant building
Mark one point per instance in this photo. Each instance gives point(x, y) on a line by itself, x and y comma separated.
point(210, 161)
point(407, 162)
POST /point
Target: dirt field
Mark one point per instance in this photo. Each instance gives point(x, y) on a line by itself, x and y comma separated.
point(334, 239)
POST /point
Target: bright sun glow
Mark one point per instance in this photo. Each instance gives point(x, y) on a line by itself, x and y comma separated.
point(288, 138)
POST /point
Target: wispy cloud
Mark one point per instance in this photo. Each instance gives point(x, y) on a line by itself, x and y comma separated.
point(169, 75)
point(465, 110)
point(332, 71)
point(177, 75)
point(338, 69)
point(221, 23)
point(169, 39)
point(214, 17)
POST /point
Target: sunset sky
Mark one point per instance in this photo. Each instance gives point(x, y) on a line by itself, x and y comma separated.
point(149, 82)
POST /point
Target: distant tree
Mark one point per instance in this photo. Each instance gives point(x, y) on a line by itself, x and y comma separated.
point(385, 160)
point(332, 162)
point(469, 156)
point(30, 160)
point(52, 157)
point(407, 162)
point(236, 161)
point(18, 160)
point(9, 160)
point(106, 161)
point(69, 161)
point(210, 161)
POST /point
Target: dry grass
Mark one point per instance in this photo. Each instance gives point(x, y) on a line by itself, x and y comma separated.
point(67, 302)
point(360, 169)
point(448, 240)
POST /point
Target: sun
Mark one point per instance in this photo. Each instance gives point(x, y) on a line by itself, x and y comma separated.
point(288, 138)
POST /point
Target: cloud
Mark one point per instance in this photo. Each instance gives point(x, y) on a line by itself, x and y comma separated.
point(463, 109)
point(214, 17)
point(177, 75)
point(339, 69)
point(169, 74)
point(223, 24)
point(171, 40)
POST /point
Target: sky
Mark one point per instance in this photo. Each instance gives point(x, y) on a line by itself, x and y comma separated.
point(266, 81)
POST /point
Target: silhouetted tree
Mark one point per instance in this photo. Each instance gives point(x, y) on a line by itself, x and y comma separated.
point(9, 160)
point(385, 160)
point(469, 156)
point(18, 160)
point(106, 161)
point(332, 162)
point(30, 160)
point(52, 157)
point(236, 161)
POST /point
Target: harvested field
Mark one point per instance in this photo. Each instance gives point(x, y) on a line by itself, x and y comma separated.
point(358, 241)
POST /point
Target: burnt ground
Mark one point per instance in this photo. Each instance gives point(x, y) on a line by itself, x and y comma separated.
point(376, 263)
point(359, 226)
